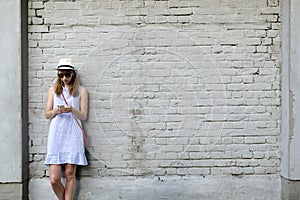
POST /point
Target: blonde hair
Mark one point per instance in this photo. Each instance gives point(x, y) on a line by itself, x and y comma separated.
point(74, 85)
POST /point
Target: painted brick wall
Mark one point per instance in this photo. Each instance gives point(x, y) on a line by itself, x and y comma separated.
point(176, 87)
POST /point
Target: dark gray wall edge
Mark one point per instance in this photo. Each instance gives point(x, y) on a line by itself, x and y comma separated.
point(24, 84)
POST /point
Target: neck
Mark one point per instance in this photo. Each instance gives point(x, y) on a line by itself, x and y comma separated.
point(67, 86)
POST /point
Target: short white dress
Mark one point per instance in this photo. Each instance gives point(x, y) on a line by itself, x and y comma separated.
point(65, 138)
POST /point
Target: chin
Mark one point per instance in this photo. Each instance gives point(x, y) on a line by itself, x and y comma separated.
point(66, 82)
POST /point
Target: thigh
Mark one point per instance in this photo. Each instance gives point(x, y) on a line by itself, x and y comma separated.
point(55, 171)
point(70, 169)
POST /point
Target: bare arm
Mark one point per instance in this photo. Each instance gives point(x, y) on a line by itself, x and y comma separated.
point(51, 112)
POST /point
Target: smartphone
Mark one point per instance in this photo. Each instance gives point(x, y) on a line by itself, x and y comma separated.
point(60, 106)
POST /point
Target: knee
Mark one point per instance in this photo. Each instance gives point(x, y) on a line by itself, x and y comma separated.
point(70, 174)
point(55, 180)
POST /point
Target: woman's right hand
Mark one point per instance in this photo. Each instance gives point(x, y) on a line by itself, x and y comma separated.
point(56, 111)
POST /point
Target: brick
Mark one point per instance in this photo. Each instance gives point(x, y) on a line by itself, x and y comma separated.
point(199, 171)
point(65, 5)
point(38, 29)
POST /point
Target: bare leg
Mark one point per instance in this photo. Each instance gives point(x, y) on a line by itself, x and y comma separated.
point(55, 180)
point(70, 172)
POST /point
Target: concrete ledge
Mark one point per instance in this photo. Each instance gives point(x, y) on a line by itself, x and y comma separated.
point(12, 191)
point(290, 189)
point(175, 188)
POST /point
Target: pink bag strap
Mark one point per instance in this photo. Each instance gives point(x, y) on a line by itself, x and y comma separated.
point(86, 143)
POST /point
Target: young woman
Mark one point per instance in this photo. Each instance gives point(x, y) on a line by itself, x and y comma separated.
point(67, 103)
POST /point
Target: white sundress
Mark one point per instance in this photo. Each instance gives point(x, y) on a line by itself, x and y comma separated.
point(65, 139)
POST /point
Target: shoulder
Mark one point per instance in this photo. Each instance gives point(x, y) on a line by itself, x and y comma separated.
point(83, 90)
point(51, 90)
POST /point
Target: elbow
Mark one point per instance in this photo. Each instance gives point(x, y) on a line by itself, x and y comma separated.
point(47, 116)
point(84, 118)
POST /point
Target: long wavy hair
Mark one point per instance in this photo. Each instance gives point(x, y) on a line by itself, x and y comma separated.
point(74, 84)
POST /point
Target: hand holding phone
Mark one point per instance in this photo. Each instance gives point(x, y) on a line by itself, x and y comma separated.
point(60, 107)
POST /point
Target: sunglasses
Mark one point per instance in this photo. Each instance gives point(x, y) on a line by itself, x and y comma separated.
point(67, 75)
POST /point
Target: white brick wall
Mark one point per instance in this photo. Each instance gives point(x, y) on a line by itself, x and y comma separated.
point(176, 87)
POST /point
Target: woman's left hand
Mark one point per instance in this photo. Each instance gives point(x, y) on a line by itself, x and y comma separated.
point(67, 109)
